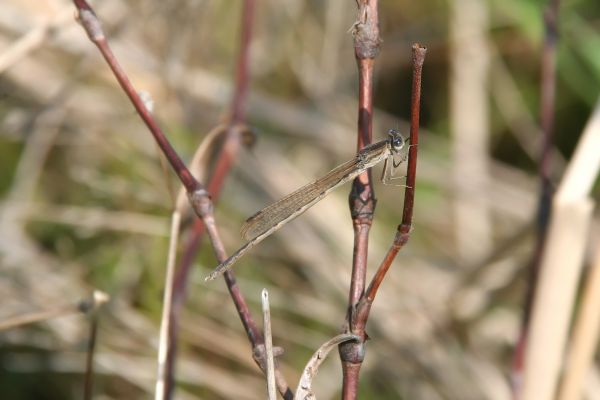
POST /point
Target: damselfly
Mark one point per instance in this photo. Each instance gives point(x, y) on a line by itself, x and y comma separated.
point(271, 218)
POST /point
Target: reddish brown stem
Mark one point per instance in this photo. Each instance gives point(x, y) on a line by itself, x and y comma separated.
point(238, 104)
point(350, 380)
point(418, 58)
point(404, 229)
point(198, 196)
point(92, 26)
point(361, 311)
point(362, 197)
point(225, 161)
point(228, 152)
point(210, 225)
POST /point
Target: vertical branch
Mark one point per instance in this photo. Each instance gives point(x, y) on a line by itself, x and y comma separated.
point(362, 198)
point(363, 308)
point(547, 100)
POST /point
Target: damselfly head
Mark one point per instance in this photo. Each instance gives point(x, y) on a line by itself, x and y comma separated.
point(397, 142)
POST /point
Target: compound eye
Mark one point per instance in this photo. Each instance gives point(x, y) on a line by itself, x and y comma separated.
point(398, 143)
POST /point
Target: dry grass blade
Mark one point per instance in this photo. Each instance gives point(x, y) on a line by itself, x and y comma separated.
point(24, 319)
point(83, 306)
point(561, 267)
point(585, 336)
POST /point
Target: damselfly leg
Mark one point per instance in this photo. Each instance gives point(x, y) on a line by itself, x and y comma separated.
point(390, 167)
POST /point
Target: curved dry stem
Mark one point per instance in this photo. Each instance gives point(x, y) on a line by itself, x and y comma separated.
point(164, 341)
point(198, 164)
point(304, 390)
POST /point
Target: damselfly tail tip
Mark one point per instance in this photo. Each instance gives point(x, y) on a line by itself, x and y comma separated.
point(216, 272)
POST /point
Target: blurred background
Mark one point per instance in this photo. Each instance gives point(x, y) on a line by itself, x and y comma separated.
point(86, 201)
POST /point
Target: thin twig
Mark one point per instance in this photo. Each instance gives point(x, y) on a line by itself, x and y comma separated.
point(547, 100)
point(89, 360)
point(176, 286)
point(404, 229)
point(271, 389)
point(238, 103)
point(219, 249)
point(166, 345)
point(91, 24)
point(91, 307)
point(198, 196)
